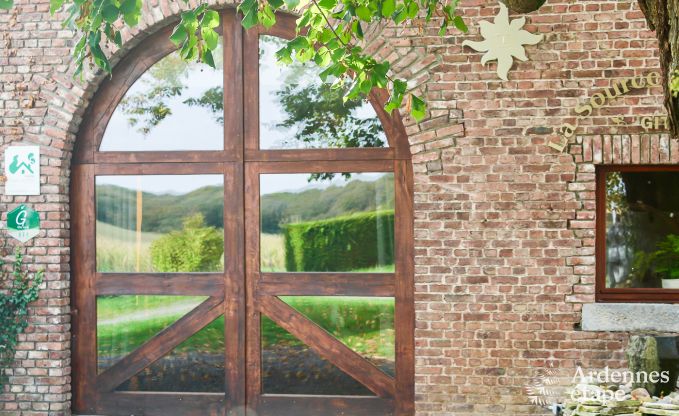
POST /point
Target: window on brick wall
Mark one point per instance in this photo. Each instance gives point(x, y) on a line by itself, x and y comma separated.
point(638, 233)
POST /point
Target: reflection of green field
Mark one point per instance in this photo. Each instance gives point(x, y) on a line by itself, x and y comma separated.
point(116, 249)
point(126, 322)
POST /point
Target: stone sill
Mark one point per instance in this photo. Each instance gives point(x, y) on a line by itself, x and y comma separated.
point(630, 317)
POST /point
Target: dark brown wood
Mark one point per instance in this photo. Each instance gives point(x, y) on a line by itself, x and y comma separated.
point(234, 283)
point(326, 284)
point(242, 286)
point(602, 293)
point(160, 169)
point(251, 91)
point(320, 155)
point(161, 404)
point(233, 86)
point(163, 157)
point(160, 345)
point(252, 262)
point(208, 284)
point(405, 288)
point(84, 310)
point(324, 166)
point(284, 405)
point(328, 346)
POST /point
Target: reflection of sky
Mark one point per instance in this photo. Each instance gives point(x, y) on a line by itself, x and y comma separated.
point(269, 183)
point(188, 128)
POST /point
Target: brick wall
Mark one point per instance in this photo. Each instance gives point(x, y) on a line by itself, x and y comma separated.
point(504, 223)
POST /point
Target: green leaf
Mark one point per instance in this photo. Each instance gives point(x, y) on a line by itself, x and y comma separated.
point(327, 4)
point(131, 10)
point(459, 23)
point(267, 17)
point(364, 13)
point(110, 13)
point(419, 107)
point(211, 38)
point(55, 5)
point(388, 7)
point(292, 4)
point(284, 55)
point(276, 4)
point(413, 9)
point(210, 19)
point(6, 4)
point(178, 35)
point(208, 58)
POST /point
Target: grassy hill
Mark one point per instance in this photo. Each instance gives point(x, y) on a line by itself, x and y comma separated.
point(163, 213)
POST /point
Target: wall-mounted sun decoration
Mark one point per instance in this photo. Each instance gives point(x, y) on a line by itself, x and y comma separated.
point(503, 41)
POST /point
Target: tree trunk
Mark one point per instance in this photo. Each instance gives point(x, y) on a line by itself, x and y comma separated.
point(663, 18)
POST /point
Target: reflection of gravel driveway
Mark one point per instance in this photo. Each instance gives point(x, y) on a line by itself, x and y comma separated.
point(286, 370)
point(299, 370)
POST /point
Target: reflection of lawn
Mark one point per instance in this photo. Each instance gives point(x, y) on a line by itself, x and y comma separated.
point(364, 324)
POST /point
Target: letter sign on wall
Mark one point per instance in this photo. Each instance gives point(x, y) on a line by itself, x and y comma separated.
point(23, 223)
point(22, 170)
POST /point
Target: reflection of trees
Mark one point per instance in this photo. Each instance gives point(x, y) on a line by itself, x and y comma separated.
point(315, 114)
point(320, 118)
point(640, 212)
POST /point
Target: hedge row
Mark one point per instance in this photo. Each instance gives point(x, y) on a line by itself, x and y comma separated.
point(340, 244)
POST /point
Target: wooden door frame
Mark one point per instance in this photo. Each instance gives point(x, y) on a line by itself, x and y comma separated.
point(242, 293)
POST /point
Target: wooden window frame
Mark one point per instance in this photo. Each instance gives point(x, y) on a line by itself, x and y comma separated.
point(604, 294)
point(242, 293)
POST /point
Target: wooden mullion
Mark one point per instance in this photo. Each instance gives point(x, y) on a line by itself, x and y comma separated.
point(327, 346)
point(233, 86)
point(327, 284)
point(338, 166)
point(321, 155)
point(160, 169)
point(209, 284)
point(253, 356)
point(234, 285)
point(84, 309)
point(175, 156)
point(160, 345)
point(404, 313)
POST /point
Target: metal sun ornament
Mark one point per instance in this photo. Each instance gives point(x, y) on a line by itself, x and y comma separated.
point(504, 41)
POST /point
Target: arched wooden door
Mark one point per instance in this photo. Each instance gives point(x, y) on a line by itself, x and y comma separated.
point(242, 242)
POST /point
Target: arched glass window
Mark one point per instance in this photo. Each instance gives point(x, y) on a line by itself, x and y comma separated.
point(242, 238)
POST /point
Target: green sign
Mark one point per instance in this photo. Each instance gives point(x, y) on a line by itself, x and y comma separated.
point(23, 223)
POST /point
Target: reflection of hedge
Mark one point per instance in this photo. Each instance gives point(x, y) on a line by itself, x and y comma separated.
point(340, 244)
point(197, 248)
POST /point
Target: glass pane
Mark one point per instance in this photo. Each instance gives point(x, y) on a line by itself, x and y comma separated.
point(327, 222)
point(298, 111)
point(160, 223)
point(364, 324)
point(642, 230)
point(290, 367)
point(163, 107)
point(196, 365)
point(124, 323)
